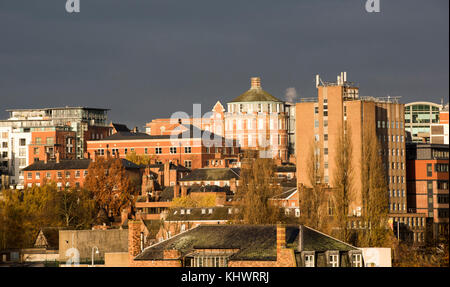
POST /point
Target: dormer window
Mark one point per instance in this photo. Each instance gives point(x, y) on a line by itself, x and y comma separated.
point(356, 258)
point(332, 258)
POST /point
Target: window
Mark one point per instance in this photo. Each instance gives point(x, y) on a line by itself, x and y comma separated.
point(30, 175)
point(188, 163)
point(333, 260)
point(203, 211)
point(126, 151)
point(77, 174)
point(85, 173)
point(38, 175)
point(173, 150)
point(50, 140)
point(309, 260)
point(146, 150)
point(187, 149)
point(22, 142)
point(67, 174)
point(440, 167)
point(356, 260)
point(59, 174)
point(429, 169)
point(48, 175)
point(325, 150)
point(158, 150)
point(22, 151)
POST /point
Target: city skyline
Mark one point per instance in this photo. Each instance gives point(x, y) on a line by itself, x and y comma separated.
point(148, 60)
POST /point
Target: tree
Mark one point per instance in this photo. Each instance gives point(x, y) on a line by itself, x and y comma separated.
point(374, 194)
point(24, 212)
point(139, 159)
point(343, 183)
point(258, 185)
point(112, 186)
point(76, 208)
point(313, 211)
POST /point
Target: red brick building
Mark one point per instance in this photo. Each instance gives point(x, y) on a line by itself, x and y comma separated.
point(48, 141)
point(427, 176)
point(64, 172)
point(190, 146)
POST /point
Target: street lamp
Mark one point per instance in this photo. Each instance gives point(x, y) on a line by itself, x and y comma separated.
point(96, 252)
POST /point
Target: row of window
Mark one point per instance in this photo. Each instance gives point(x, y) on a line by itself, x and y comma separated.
point(397, 193)
point(59, 184)
point(59, 174)
point(396, 179)
point(410, 221)
point(389, 124)
point(397, 206)
point(333, 260)
point(397, 165)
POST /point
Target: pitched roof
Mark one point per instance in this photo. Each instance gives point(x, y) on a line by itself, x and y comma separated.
point(48, 237)
point(184, 131)
point(287, 192)
point(212, 174)
point(67, 164)
point(63, 164)
point(255, 242)
point(120, 127)
point(255, 95)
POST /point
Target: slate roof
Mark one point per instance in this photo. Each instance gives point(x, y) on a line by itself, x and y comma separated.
point(64, 164)
point(255, 95)
point(255, 242)
point(287, 191)
point(185, 131)
point(120, 127)
point(68, 164)
point(212, 174)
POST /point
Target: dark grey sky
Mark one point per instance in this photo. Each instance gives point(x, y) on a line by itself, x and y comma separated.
point(145, 59)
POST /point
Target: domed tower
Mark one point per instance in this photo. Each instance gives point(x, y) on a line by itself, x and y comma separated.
point(258, 121)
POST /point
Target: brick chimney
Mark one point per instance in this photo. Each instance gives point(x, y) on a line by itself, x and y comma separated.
point(47, 157)
point(87, 155)
point(166, 173)
point(57, 155)
point(281, 237)
point(134, 240)
point(233, 185)
point(94, 156)
point(255, 83)
point(301, 243)
point(176, 190)
point(184, 190)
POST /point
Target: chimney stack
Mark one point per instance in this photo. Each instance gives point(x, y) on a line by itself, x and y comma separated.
point(166, 173)
point(281, 236)
point(176, 190)
point(256, 83)
point(300, 238)
point(183, 191)
point(47, 157)
point(57, 157)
